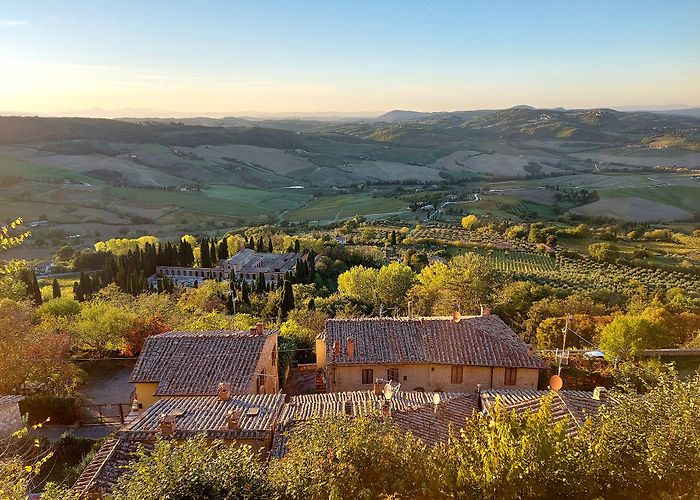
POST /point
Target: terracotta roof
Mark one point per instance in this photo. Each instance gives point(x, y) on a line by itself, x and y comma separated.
point(10, 399)
point(411, 410)
point(476, 341)
point(196, 415)
point(106, 467)
point(575, 406)
point(194, 363)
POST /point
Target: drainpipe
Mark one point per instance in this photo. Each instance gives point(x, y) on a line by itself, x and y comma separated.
point(491, 386)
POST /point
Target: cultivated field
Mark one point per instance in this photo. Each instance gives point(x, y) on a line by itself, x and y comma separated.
point(632, 209)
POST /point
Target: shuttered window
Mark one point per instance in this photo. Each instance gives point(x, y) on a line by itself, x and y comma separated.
point(511, 376)
point(367, 376)
point(392, 374)
point(457, 373)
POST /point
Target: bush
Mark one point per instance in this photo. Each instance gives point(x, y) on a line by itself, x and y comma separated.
point(58, 410)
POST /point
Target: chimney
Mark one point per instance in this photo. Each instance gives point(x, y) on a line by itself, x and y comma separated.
point(378, 388)
point(386, 408)
point(600, 394)
point(336, 349)
point(224, 391)
point(456, 316)
point(351, 347)
point(233, 420)
point(260, 328)
point(485, 310)
point(253, 330)
point(410, 310)
point(167, 425)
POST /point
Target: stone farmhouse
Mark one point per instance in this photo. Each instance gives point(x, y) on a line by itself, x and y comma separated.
point(177, 364)
point(247, 264)
point(452, 354)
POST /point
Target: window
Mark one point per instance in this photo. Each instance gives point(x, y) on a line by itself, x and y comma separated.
point(457, 373)
point(511, 376)
point(367, 376)
point(392, 374)
point(261, 383)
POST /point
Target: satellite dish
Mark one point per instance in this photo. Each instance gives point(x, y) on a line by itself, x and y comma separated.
point(436, 399)
point(556, 383)
point(388, 392)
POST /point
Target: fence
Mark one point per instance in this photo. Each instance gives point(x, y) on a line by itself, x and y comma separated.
point(103, 414)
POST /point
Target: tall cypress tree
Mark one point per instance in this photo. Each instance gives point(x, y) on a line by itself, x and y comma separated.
point(204, 253)
point(297, 246)
point(245, 298)
point(269, 244)
point(214, 258)
point(260, 246)
point(393, 237)
point(223, 249)
point(78, 292)
point(260, 284)
point(287, 303)
point(56, 289)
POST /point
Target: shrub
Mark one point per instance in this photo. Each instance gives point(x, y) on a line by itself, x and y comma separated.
point(58, 410)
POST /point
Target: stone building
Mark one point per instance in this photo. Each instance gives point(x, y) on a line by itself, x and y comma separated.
point(175, 364)
point(246, 264)
point(235, 419)
point(452, 354)
point(10, 417)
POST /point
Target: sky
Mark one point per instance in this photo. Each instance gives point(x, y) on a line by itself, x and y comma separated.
point(216, 58)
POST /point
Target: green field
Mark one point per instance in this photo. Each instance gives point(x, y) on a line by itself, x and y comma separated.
point(328, 208)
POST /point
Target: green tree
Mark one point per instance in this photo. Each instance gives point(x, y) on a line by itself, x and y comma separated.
point(338, 457)
point(287, 302)
point(604, 252)
point(628, 335)
point(194, 468)
point(56, 289)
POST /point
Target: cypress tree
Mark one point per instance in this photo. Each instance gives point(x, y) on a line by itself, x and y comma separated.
point(36, 291)
point(393, 238)
point(260, 284)
point(297, 246)
point(78, 292)
point(311, 305)
point(214, 259)
point(223, 249)
point(244, 293)
point(269, 245)
point(204, 253)
point(260, 246)
point(229, 304)
point(287, 303)
point(56, 289)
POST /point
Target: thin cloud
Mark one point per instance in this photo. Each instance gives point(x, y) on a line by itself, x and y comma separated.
point(431, 9)
point(12, 22)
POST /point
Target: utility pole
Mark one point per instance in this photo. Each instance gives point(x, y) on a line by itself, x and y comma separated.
point(563, 347)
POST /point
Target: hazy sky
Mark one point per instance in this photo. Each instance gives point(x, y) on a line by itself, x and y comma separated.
point(211, 57)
